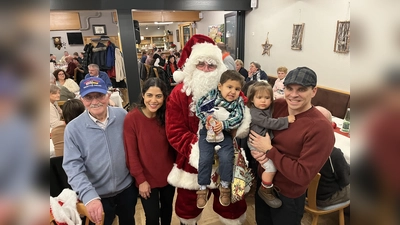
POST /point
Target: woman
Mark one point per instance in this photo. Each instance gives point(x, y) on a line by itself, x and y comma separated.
point(63, 80)
point(255, 73)
point(71, 109)
point(241, 69)
point(55, 110)
point(170, 68)
point(149, 156)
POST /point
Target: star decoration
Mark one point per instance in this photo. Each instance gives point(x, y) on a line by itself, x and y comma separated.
point(266, 47)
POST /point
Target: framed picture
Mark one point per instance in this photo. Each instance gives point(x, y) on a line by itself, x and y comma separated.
point(99, 29)
point(177, 35)
point(297, 36)
point(342, 39)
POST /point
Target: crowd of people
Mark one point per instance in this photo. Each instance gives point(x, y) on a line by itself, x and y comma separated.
point(180, 141)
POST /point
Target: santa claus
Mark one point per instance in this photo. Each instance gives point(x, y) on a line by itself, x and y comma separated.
point(202, 66)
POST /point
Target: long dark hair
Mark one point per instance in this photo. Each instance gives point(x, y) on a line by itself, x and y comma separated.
point(55, 73)
point(155, 82)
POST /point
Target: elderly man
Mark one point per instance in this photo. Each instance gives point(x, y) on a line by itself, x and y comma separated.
point(94, 71)
point(334, 184)
point(226, 57)
point(298, 152)
point(94, 157)
point(62, 60)
point(201, 73)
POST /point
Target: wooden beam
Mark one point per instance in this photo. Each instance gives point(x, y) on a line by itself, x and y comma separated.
point(163, 16)
point(64, 21)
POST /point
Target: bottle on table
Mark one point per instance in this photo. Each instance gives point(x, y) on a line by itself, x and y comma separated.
point(346, 122)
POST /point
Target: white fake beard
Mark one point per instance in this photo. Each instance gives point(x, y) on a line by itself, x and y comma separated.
point(203, 82)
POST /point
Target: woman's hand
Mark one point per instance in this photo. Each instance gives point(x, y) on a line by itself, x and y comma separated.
point(259, 142)
point(144, 190)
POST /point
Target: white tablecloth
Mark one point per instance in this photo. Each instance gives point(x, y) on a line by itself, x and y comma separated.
point(342, 141)
point(115, 97)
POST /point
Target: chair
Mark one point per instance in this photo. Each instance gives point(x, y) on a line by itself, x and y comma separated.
point(314, 210)
point(83, 212)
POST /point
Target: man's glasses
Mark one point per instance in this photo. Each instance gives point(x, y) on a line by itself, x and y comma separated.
point(203, 65)
point(90, 98)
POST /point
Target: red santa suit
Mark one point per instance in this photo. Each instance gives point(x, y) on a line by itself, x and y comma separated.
point(182, 128)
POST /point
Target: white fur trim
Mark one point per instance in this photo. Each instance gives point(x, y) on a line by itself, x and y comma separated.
point(67, 213)
point(182, 179)
point(195, 155)
point(205, 51)
point(237, 221)
point(190, 221)
point(179, 76)
point(244, 128)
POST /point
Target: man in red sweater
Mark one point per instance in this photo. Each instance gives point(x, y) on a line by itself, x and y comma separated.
point(298, 152)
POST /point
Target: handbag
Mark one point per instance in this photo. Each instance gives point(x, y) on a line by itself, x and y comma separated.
point(242, 174)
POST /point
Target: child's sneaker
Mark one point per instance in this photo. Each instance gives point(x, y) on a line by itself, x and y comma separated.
point(224, 196)
point(202, 196)
point(267, 194)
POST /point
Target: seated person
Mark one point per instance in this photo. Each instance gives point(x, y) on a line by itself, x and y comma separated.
point(278, 86)
point(334, 184)
point(62, 79)
point(71, 109)
point(55, 110)
point(94, 71)
point(65, 94)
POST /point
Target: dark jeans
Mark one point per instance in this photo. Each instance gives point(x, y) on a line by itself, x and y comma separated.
point(290, 213)
point(123, 205)
point(159, 205)
point(225, 155)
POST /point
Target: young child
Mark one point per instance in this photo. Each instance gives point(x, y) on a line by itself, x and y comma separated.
point(227, 96)
point(278, 86)
point(260, 102)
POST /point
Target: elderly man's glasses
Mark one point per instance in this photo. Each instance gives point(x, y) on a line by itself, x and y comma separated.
point(90, 98)
point(203, 65)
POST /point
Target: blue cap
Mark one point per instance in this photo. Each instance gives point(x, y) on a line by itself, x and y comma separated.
point(92, 84)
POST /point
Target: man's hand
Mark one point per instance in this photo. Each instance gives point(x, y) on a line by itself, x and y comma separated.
point(259, 142)
point(259, 156)
point(145, 190)
point(95, 210)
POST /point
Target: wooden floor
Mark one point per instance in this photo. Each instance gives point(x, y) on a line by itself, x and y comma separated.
point(209, 217)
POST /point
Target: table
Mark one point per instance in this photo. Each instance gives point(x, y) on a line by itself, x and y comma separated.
point(342, 139)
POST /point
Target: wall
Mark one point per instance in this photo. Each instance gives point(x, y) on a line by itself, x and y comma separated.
point(106, 19)
point(210, 18)
point(320, 17)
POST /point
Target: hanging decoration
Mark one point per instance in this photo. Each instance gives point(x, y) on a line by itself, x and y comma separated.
point(57, 42)
point(266, 46)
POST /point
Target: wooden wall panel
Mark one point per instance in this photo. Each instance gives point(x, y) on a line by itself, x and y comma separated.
point(181, 16)
point(167, 16)
point(147, 17)
point(64, 21)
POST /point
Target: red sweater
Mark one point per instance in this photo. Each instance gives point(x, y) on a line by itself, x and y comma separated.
point(300, 151)
point(149, 157)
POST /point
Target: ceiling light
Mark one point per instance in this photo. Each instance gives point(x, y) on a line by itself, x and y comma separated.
point(158, 27)
point(147, 27)
point(163, 23)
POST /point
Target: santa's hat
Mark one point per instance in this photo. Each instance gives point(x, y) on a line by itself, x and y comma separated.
point(199, 47)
